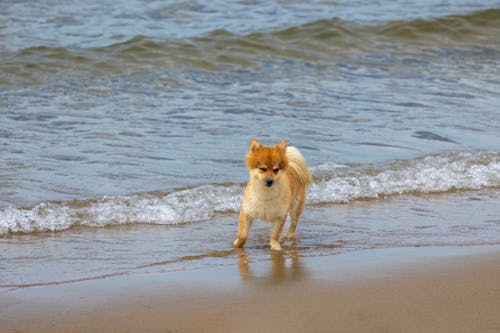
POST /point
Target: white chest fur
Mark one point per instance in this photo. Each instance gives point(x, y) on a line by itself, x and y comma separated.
point(267, 203)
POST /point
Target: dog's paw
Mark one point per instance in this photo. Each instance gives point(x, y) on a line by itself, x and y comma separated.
point(238, 243)
point(290, 236)
point(275, 246)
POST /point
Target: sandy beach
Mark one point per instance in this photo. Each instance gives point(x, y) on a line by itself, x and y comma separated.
point(426, 289)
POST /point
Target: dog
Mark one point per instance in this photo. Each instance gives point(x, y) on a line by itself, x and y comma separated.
point(279, 177)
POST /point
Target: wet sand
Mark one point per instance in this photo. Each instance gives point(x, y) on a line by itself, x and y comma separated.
point(427, 289)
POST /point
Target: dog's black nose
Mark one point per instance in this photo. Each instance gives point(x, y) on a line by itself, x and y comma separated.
point(269, 182)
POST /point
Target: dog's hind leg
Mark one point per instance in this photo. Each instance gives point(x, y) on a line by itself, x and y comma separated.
point(295, 211)
point(293, 225)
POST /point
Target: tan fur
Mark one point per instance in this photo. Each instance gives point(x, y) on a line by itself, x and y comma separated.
point(287, 170)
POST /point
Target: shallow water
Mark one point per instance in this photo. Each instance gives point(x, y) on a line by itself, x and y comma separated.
point(463, 218)
point(124, 126)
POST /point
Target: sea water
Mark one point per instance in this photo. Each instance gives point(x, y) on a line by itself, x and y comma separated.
point(124, 127)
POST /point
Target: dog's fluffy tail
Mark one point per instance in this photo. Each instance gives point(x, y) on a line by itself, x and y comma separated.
point(298, 163)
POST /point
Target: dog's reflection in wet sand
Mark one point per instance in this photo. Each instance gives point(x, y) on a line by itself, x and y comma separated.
point(283, 266)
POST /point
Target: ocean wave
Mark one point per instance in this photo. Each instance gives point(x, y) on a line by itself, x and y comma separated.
point(430, 174)
point(334, 183)
point(177, 207)
point(316, 41)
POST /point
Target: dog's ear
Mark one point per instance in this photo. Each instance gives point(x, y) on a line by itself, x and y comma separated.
point(254, 145)
point(282, 146)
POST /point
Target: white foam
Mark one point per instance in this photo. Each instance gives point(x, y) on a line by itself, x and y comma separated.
point(333, 184)
point(432, 174)
point(189, 205)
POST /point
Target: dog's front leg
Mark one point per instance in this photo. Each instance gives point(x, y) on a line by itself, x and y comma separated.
point(276, 231)
point(244, 224)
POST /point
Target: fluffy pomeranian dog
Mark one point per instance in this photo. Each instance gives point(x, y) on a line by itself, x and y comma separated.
point(277, 187)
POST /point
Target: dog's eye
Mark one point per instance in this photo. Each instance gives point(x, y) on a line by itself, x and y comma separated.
point(263, 169)
point(276, 171)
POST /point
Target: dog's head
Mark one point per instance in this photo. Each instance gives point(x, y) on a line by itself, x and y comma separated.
point(266, 164)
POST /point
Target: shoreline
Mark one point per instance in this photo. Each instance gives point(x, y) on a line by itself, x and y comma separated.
point(445, 289)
